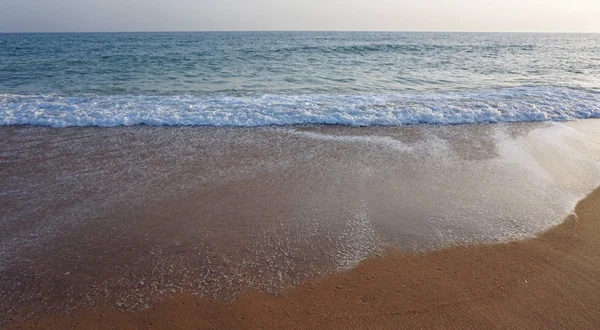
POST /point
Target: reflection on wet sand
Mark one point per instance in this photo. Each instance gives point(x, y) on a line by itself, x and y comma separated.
point(125, 215)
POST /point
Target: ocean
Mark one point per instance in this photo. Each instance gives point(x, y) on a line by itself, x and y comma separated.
point(137, 166)
point(284, 78)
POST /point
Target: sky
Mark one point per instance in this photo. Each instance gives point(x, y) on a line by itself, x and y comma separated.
point(303, 15)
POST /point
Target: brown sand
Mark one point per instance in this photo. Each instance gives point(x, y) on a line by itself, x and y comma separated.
point(552, 281)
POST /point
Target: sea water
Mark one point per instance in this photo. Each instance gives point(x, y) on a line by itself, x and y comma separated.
point(282, 78)
point(123, 215)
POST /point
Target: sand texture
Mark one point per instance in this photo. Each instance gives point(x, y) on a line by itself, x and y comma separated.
point(299, 226)
point(552, 281)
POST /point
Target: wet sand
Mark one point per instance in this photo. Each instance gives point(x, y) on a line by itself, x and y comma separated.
point(548, 282)
point(132, 221)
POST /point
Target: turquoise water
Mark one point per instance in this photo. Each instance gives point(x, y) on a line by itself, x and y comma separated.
point(249, 79)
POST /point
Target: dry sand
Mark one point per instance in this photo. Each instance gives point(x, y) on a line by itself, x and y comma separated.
point(552, 281)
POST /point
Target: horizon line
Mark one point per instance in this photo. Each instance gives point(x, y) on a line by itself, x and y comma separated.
point(297, 31)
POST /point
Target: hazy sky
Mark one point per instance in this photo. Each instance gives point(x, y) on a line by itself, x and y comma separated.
point(239, 15)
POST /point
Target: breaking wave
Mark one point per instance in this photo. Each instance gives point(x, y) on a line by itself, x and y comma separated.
point(489, 106)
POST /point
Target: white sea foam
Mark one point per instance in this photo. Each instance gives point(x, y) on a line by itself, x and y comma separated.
point(370, 139)
point(502, 105)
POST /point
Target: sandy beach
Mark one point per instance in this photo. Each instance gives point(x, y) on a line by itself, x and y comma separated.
point(301, 227)
point(161, 173)
point(544, 283)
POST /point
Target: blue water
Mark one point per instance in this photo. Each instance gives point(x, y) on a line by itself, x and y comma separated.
point(249, 79)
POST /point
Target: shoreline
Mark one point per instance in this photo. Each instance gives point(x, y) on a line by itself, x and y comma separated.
point(552, 280)
point(129, 223)
point(353, 180)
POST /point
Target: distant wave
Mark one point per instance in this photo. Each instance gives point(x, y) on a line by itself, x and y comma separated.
point(490, 106)
point(394, 48)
